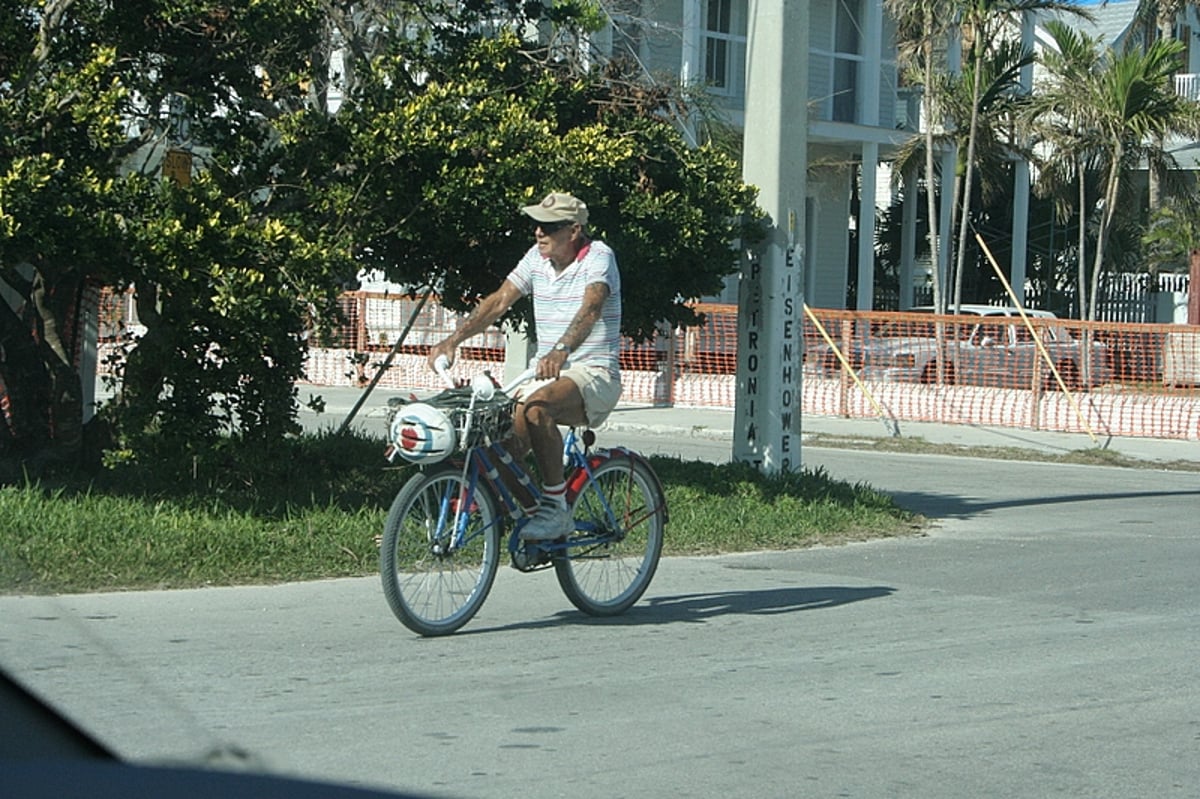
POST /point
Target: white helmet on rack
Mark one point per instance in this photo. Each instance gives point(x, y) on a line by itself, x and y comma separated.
point(422, 433)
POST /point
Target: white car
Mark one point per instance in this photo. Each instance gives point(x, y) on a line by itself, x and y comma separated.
point(992, 346)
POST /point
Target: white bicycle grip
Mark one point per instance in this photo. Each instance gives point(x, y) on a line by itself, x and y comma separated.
point(441, 365)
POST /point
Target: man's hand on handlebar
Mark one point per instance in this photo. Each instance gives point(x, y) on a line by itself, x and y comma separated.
point(551, 364)
point(442, 350)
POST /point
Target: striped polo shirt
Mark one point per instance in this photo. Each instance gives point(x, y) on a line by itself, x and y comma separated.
point(558, 297)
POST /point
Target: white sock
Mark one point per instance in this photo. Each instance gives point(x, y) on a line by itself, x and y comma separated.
point(558, 493)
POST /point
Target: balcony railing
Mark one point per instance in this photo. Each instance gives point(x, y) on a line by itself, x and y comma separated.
point(1188, 86)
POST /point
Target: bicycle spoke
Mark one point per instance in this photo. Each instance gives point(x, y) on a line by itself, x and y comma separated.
point(437, 561)
point(621, 510)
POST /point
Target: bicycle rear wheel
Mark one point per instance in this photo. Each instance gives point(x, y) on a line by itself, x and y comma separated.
point(436, 574)
point(622, 507)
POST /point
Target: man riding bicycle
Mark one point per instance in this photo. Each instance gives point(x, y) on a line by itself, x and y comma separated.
point(576, 292)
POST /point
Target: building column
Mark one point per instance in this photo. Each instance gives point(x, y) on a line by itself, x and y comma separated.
point(868, 115)
point(908, 239)
point(691, 62)
point(865, 296)
point(693, 22)
point(1020, 220)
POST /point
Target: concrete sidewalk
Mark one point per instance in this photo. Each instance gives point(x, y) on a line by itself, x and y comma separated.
point(718, 423)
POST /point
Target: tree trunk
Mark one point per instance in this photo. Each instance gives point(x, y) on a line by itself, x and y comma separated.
point(24, 393)
point(41, 402)
point(58, 311)
point(1111, 192)
point(969, 174)
point(1081, 257)
point(930, 182)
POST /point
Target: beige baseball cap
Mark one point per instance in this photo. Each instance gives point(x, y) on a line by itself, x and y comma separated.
point(558, 207)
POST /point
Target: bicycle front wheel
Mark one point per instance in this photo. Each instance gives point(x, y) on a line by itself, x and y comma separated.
point(439, 553)
point(620, 513)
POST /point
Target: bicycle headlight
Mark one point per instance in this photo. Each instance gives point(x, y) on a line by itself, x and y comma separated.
point(422, 433)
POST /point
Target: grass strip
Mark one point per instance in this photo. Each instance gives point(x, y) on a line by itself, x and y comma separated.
point(313, 511)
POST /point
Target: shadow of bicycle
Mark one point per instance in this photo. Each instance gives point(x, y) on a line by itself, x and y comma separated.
point(698, 608)
point(763, 602)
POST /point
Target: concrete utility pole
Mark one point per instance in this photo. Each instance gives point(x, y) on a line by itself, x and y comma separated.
point(770, 299)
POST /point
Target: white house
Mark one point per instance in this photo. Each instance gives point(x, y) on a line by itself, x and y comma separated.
point(858, 114)
point(1116, 25)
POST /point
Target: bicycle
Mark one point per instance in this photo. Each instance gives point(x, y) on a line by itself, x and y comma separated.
point(440, 549)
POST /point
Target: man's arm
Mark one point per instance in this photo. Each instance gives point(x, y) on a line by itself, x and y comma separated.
point(490, 308)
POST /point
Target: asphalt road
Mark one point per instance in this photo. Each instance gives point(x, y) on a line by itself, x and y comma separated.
point(1043, 639)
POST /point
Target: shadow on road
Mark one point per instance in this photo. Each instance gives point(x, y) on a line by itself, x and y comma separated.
point(947, 506)
point(697, 607)
point(701, 607)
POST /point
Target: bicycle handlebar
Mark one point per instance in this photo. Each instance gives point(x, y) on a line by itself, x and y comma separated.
point(528, 374)
point(481, 385)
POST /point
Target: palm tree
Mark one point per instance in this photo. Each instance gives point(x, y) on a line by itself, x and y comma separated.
point(991, 75)
point(1106, 110)
point(1162, 15)
point(988, 22)
point(1068, 144)
point(989, 93)
point(922, 29)
point(993, 148)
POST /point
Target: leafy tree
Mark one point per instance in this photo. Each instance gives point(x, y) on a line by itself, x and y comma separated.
point(440, 169)
point(444, 125)
point(98, 92)
point(59, 223)
point(1171, 235)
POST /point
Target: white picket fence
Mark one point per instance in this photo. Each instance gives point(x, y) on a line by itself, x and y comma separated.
point(1125, 297)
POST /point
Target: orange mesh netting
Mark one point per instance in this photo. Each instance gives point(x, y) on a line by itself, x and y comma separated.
point(996, 369)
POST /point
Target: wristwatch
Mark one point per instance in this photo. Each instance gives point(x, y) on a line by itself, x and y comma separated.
point(560, 347)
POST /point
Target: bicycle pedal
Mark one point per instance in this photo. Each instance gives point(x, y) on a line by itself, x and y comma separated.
point(531, 557)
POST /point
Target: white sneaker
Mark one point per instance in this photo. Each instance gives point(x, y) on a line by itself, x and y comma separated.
point(551, 521)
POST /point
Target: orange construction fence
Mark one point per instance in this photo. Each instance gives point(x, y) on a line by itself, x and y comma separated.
point(987, 367)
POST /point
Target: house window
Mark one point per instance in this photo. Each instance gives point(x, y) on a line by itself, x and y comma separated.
point(1183, 33)
point(847, 59)
point(724, 40)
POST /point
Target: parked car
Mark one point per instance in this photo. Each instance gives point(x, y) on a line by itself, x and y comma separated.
point(991, 346)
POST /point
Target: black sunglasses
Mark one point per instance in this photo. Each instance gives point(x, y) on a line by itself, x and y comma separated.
point(551, 227)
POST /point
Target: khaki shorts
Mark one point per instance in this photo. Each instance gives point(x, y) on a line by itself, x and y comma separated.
point(599, 388)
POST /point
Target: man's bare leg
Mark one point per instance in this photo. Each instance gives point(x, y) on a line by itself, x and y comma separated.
point(537, 421)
